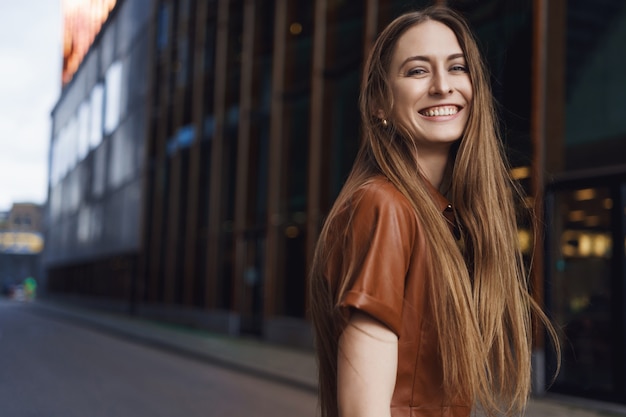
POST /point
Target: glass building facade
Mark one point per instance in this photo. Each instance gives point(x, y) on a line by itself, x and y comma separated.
point(93, 212)
point(220, 131)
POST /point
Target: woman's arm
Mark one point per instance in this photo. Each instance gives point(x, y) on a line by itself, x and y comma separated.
point(367, 362)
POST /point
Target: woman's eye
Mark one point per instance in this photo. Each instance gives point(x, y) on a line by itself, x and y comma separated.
point(459, 68)
point(416, 71)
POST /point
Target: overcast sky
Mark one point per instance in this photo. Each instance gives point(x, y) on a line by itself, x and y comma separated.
point(30, 83)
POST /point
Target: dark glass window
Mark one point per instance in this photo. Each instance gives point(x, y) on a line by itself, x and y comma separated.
point(586, 263)
point(163, 26)
point(595, 128)
point(581, 286)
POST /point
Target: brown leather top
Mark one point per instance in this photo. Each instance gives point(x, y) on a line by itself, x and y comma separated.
point(390, 282)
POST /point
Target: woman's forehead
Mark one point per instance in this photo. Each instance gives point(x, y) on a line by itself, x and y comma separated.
point(429, 39)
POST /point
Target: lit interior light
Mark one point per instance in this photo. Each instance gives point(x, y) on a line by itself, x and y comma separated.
point(579, 303)
point(569, 242)
point(592, 221)
point(568, 250)
point(292, 232)
point(607, 203)
point(295, 28)
point(585, 194)
point(601, 245)
point(584, 244)
point(576, 215)
point(524, 240)
point(520, 173)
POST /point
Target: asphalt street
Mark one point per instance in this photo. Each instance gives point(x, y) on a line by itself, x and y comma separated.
point(53, 368)
point(63, 360)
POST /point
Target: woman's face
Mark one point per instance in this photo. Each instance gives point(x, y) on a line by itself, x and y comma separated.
point(431, 86)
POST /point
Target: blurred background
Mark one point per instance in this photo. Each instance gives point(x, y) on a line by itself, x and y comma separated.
point(184, 154)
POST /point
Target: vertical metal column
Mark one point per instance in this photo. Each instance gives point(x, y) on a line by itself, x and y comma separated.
point(140, 282)
point(316, 129)
point(242, 191)
point(276, 176)
point(160, 160)
point(172, 239)
point(194, 192)
point(216, 195)
point(547, 101)
point(371, 26)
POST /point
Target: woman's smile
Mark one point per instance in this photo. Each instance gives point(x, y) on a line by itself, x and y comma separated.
point(440, 111)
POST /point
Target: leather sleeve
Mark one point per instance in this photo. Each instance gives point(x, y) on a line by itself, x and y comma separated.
point(379, 246)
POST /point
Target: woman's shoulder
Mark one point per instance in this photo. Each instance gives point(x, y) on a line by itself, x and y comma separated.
point(379, 192)
point(380, 188)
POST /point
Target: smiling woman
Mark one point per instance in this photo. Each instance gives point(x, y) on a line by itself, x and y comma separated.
point(418, 289)
point(432, 93)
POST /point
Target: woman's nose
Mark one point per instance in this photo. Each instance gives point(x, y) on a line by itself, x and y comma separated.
point(440, 84)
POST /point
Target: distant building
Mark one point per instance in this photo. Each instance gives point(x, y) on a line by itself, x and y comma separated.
point(21, 243)
point(25, 217)
point(4, 215)
point(199, 145)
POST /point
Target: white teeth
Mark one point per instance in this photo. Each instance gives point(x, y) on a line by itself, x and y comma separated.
point(441, 111)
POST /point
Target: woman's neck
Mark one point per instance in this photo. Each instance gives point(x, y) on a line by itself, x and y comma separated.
point(433, 167)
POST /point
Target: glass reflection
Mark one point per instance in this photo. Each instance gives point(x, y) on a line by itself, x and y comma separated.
point(581, 287)
point(95, 127)
point(113, 101)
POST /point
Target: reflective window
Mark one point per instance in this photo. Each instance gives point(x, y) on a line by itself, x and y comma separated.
point(163, 26)
point(71, 143)
point(95, 127)
point(113, 100)
point(64, 152)
point(55, 163)
point(83, 130)
point(581, 287)
point(121, 161)
point(99, 171)
point(82, 231)
point(54, 202)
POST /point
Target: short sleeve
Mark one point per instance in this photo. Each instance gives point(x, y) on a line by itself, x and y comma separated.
point(378, 248)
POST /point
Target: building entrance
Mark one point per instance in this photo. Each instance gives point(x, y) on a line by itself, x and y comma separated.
point(585, 278)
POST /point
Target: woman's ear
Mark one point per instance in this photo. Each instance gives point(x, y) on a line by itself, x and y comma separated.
point(381, 116)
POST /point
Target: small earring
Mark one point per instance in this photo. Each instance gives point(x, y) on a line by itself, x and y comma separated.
point(385, 123)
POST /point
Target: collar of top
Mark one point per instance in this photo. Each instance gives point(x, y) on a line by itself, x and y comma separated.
point(444, 205)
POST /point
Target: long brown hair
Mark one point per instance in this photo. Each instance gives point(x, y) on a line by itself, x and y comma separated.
point(482, 295)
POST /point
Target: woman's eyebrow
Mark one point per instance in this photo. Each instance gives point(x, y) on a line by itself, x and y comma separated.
point(428, 59)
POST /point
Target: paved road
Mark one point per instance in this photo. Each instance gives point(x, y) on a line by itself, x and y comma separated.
point(52, 368)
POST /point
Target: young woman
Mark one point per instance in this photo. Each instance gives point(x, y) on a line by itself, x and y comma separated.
point(418, 290)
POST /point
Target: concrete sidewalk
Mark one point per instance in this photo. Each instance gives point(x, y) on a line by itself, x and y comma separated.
point(277, 363)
